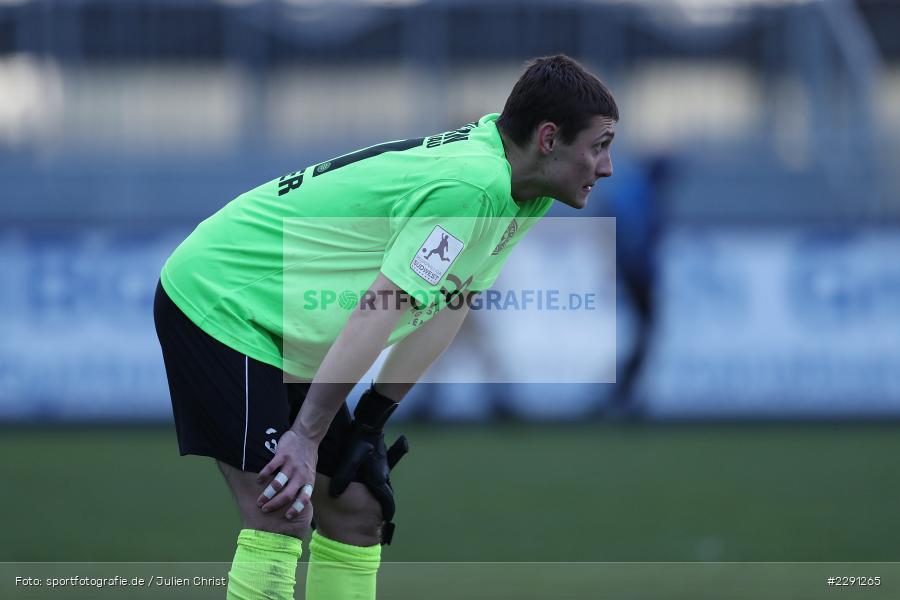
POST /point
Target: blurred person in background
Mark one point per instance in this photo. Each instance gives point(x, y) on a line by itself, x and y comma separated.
point(262, 387)
point(638, 202)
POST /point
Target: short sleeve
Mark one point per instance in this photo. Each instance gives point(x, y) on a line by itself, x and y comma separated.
point(438, 230)
point(515, 231)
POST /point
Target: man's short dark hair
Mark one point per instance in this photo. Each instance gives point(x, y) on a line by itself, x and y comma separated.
point(557, 89)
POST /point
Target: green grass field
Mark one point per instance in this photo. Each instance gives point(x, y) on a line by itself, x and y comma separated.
point(478, 494)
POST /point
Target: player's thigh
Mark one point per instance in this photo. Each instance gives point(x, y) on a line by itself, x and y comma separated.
point(354, 517)
point(226, 404)
point(246, 492)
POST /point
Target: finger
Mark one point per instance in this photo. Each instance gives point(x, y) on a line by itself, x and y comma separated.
point(301, 502)
point(282, 498)
point(397, 450)
point(270, 468)
point(273, 488)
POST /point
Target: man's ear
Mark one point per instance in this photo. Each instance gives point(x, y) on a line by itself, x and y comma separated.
point(547, 133)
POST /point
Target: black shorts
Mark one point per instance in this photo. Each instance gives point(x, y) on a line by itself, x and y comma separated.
point(228, 405)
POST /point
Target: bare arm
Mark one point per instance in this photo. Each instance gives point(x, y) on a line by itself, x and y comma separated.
point(348, 359)
point(356, 348)
point(412, 355)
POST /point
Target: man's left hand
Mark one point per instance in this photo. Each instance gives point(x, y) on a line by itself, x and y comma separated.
point(365, 453)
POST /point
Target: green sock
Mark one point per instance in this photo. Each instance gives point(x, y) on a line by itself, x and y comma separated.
point(340, 571)
point(264, 566)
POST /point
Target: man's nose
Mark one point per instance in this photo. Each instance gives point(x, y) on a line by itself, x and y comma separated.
point(604, 167)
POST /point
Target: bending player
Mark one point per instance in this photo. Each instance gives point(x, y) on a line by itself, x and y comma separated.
point(260, 357)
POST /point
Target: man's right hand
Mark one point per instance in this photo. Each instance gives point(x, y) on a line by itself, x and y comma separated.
point(290, 476)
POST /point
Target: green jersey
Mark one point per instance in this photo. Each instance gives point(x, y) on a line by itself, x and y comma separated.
point(276, 273)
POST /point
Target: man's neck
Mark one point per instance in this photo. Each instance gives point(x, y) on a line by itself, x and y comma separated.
point(525, 184)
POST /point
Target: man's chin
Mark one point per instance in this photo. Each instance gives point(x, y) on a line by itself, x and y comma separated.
point(578, 202)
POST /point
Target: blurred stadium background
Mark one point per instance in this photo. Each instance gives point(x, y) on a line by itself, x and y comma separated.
point(758, 325)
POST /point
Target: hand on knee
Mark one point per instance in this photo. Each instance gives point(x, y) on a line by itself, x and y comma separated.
point(246, 490)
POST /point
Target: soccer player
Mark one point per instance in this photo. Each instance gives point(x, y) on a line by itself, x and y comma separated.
point(264, 331)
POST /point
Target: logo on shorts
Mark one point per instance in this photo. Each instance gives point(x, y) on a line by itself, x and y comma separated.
point(272, 444)
point(436, 256)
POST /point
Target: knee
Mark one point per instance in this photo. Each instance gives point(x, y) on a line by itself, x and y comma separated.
point(246, 491)
point(353, 518)
point(275, 522)
point(298, 528)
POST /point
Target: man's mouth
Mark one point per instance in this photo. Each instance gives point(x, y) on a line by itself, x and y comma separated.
point(588, 187)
